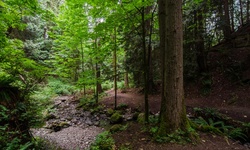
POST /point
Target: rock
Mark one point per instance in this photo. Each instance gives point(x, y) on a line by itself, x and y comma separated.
point(141, 118)
point(64, 124)
point(96, 123)
point(87, 113)
point(103, 116)
point(110, 111)
point(116, 118)
point(88, 121)
point(51, 116)
point(135, 115)
point(128, 117)
point(115, 128)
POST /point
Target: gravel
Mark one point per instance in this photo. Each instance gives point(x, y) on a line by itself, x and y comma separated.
point(78, 135)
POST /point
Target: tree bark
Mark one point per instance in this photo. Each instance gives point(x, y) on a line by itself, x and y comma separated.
point(226, 27)
point(248, 3)
point(115, 72)
point(126, 81)
point(241, 13)
point(200, 45)
point(145, 65)
point(232, 15)
point(173, 113)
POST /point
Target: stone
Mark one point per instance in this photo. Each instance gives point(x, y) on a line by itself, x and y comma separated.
point(116, 118)
point(88, 121)
point(115, 128)
point(141, 118)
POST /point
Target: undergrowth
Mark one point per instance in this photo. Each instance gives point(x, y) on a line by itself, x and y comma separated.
point(104, 141)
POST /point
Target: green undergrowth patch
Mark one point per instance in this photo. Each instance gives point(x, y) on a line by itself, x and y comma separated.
point(179, 137)
point(104, 141)
point(210, 120)
point(88, 103)
point(220, 128)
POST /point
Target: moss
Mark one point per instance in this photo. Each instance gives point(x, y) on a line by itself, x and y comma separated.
point(116, 118)
point(141, 118)
point(115, 128)
point(110, 111)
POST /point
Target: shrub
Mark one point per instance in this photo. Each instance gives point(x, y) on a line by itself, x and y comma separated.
point(103, 141)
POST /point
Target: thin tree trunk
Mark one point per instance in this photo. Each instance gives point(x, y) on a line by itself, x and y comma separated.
point(200, 45)
point(126, 81)
point(145, 65)
point(232, 15)
point(115, 72)
point(227, 29)
point(82, 53)
point(248, 3)
point(241, 13)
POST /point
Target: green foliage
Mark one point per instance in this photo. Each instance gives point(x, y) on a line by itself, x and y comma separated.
point(87, 103)
point(220, 128)
point(60, 87)
point(122, 106)
point(206, 83)
point(110, 111)
point(107, 85)
point(104, 141)
point(118, 127)
point(141, 118)
point(153, 119)
point(178, 136)
point(237, 133)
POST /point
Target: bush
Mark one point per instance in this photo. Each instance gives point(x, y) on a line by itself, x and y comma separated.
point(59, 87)
point(103, 141)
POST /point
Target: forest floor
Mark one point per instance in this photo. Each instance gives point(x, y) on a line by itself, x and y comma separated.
point(225, 94)
point(138, 139)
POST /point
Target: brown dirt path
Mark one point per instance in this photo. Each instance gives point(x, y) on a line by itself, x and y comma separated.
point(134, 138)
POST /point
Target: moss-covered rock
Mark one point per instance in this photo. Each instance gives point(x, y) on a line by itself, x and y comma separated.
point(115, 128)
point(110, 111)
point(141, 118)
point(116, 118)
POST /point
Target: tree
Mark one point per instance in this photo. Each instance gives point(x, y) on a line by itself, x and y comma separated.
point(173, 113)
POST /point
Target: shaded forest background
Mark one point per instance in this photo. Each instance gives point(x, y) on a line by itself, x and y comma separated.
point(56, 47)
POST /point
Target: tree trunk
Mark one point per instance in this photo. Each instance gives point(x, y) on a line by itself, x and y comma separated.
point(226, 27)
point(232, 15)
point(200, 45)
point(126, 81)
point(145, 65)
point(248, 3)
point(82, 62)
point(173, 113)
point(115, 72)
point(241, 13)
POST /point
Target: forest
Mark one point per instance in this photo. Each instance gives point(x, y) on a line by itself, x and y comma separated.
point(124, 74)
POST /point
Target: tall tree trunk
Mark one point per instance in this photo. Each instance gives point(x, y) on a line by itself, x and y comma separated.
point(232, 15)
point(98, 75)
point(150, 69)
point(173, 113)
point(226, 27)
point(200, 45)
point(126, 81)
point(241, 13)
point(248, 3)
point(145, 65)
point(115, 72)
point(82, 62)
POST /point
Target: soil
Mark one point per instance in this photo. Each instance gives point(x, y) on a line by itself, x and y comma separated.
point(135, 138)
point(228, 96)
